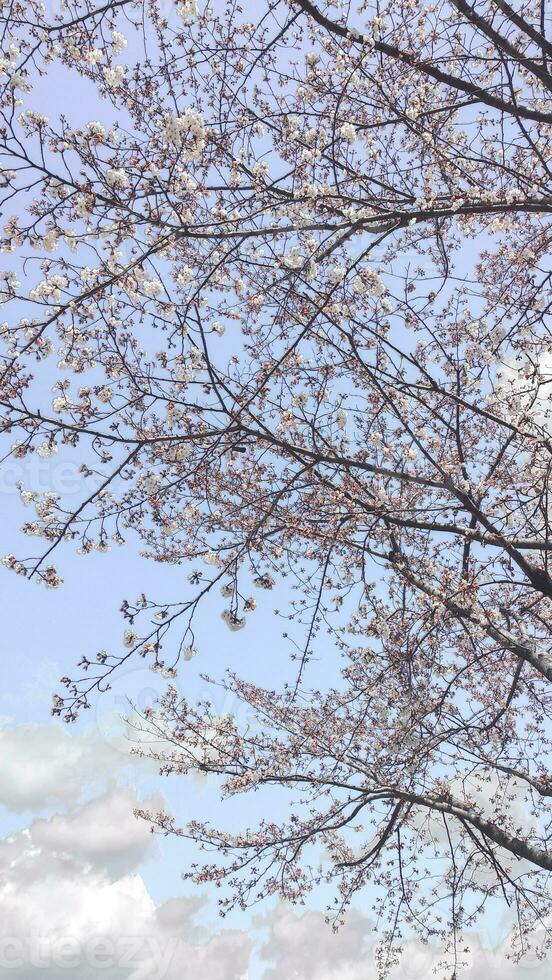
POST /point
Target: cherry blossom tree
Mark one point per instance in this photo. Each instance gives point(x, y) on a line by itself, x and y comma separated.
point(291, 293)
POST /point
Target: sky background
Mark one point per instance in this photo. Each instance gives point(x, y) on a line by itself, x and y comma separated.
point(82, 880)
point(85, 890)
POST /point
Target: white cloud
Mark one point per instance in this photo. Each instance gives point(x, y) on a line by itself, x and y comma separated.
point(303, 947)
point(71, 900)
point(45, 765)
point(99, 928)
point(103, 833)
point(533, 392)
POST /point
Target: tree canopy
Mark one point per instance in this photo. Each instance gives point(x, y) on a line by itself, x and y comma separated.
point(287, 302)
